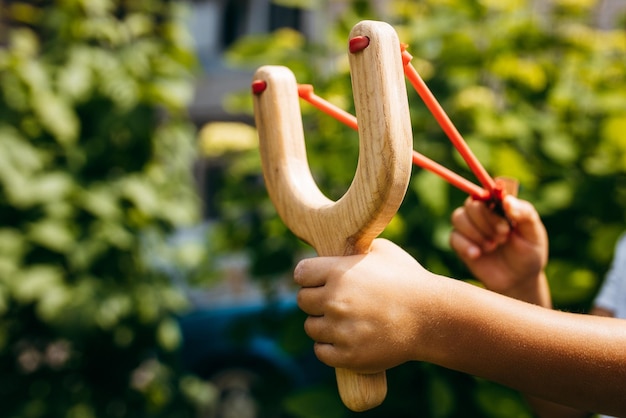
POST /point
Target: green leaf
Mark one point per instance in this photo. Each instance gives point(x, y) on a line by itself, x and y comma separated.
point(613, 132)
point(561, 148)
point(56, 116)
point(113, 234)
point(112, 310)
point(14, 93)
point(141, 193)
point(510, 163)
point(18, 153)
point(300, 4)
point(12, 244)
point(316, 402)
point(23, 42)
point(568, 283)
point(169, 334)
point(25, 191)
point(498, 401)
point(522, 70)
point(441, 396)
point(33, 282)
point(52, 234)
point(555, 196)
point(101, 201)
point(76, 79)
point(432, 191)
point(175, 94)
point(52, 303)
point(201, 393)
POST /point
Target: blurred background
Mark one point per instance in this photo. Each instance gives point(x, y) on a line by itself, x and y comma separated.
point(143, 269)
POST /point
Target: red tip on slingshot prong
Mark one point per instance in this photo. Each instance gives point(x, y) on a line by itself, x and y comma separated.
point(406, 57)
point(258, 86)
point(358, 43)
point(305, 90)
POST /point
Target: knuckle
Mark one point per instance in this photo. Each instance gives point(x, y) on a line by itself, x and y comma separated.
point(308, 327)
point(457, 214)
point(301, 299)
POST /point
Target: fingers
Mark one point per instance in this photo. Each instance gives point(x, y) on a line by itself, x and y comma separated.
point(316, 328)
point(321, 333)
point(311, 300)
point(333, 351)
point(519, 211)
point(464, 247)
point(327, 354)
point(476, 228)
point(311, 272)
point(527, 222)
point(313, 275)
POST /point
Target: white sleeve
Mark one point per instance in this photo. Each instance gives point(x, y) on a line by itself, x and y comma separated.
point(610, 291)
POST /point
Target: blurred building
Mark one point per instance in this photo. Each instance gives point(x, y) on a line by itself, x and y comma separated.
point(216, 24)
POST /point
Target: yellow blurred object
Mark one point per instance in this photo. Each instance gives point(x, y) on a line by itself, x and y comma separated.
point(218, 138)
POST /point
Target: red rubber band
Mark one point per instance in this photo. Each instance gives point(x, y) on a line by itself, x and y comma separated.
point(446, 124)
point(451, 177)
point(305, 91)
point(491, 191)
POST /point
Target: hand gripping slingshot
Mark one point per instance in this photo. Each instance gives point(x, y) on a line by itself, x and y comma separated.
point(349, 225)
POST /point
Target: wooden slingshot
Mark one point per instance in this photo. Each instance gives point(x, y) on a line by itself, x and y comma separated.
point(349, 225)
point(378, 65)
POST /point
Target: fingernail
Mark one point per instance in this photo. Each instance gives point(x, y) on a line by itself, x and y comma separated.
point(502, 228)
point(490, 246)
point(513, 206)
point(473, 252)
point(297, 272)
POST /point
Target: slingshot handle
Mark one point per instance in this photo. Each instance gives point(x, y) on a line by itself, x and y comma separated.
point(349, 225)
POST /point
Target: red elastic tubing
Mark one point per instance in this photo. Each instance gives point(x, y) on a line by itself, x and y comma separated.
point(451, 177)
point(446, 124)
point(305, 91)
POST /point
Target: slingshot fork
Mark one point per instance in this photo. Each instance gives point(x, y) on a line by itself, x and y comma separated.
point(349, 225)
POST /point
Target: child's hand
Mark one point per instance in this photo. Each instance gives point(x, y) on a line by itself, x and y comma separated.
point(507, 255)
point(365, 309)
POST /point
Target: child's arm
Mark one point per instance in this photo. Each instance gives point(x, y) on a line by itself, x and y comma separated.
point(375, 311)
point(509, 257)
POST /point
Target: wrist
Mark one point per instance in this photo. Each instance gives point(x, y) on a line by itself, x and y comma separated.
point(440, 314)
point(534, 290)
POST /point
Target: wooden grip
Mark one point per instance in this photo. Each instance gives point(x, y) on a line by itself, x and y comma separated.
point(349, 225)
point(361, 392)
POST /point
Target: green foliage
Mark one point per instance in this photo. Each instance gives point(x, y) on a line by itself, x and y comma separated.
point(95, 152)
point(538, 97)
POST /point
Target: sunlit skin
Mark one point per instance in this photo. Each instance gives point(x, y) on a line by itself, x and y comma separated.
point(511, 261)
point(375, 311)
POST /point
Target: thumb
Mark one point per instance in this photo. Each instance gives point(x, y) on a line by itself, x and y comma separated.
point(312, 272)
point(525, 219)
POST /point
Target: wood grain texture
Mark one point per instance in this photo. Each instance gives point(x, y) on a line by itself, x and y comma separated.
point(349, 225)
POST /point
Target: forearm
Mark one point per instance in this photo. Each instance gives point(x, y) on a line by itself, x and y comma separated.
point(549, 354)
point(538, 292)
point(534, 291)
